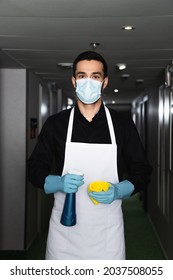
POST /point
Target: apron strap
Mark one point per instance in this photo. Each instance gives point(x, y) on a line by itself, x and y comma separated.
point(109, 120)
point(110, 125)
point(70, 126)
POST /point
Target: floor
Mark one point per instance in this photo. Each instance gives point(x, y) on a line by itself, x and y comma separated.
point(141, 242)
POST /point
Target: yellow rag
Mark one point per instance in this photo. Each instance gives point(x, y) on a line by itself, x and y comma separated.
point(98, 186)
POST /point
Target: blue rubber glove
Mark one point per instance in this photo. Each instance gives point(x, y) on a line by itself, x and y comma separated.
point(67, 183)
point(120, 190)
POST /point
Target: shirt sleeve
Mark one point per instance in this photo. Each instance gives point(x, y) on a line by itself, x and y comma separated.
point(40, 162)
point(138, 168)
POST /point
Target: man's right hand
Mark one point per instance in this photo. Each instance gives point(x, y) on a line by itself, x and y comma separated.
point(68, 183)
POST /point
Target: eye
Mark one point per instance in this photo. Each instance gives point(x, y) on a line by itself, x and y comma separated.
point(96, 77)
point(81, 76)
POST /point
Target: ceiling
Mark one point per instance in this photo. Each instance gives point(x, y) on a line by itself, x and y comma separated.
point(38, 34)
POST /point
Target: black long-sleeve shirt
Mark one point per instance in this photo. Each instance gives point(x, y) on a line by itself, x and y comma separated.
point(131, 159)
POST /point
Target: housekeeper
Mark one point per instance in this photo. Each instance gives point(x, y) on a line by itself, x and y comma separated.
point(102, 145)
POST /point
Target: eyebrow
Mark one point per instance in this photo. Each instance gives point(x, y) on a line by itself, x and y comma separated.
point(97, 73)
point(80, 73)
point(91, 73)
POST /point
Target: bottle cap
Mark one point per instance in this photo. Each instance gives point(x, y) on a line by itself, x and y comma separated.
point(74, 171)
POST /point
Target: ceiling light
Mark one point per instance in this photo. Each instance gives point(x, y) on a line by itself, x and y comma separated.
point(139, 81)
point(125, 76)
point(94, 45)
point(113, 101)
point(116, 90)
point(128, 27)
point(121, 66)
point(65, 64)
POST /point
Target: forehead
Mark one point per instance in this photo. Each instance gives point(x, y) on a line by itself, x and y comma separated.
point(89, 66)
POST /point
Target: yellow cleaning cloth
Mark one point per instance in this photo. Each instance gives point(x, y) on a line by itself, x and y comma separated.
point(98, 186)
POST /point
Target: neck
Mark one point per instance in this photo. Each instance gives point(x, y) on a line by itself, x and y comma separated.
point(89, 110)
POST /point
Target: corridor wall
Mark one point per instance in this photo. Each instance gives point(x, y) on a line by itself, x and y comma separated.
point(12, 158)
point(20, 203)
point(158, 140)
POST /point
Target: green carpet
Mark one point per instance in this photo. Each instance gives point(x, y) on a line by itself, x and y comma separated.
point(141, 243)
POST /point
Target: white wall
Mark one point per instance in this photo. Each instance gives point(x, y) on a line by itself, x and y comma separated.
point(13, 158)
point(24, 210)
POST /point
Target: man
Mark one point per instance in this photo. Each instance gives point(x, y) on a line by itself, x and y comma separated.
point(102, 145)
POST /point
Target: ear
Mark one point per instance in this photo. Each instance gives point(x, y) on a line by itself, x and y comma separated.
point(105, 82)
point(73, 81)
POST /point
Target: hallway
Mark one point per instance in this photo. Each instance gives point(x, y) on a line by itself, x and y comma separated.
point(141, 242)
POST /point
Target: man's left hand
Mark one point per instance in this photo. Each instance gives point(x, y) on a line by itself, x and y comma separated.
point(120, 190)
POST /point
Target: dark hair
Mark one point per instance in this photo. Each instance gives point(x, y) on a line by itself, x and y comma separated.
point(90, 55)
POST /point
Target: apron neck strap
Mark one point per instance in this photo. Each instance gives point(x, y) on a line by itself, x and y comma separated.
point(109, 120)
point(70, 126)
point(110, 125)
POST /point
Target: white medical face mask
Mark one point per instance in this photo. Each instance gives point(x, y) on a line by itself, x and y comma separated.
point(88, 90)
